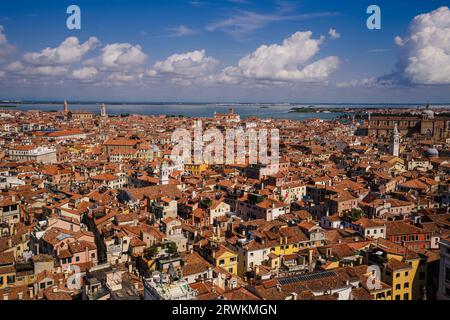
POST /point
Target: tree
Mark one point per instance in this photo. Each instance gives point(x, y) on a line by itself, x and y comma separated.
point(152, 251)
point(172, 248)
point(206, 203)
point(356, 214)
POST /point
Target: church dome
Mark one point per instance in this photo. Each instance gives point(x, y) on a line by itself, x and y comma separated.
point(428, 114)
point(432, 152)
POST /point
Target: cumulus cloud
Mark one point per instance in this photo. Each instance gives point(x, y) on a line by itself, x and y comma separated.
point(19, 68)
point(5, 48)
point(119, 56)
point(366, 82)
point(47, 70)
point(290, 61)
point(68, 52)
point(189, 64)
point(425, 52)
point(84, 74)
point(15, 66)
point(334, 34)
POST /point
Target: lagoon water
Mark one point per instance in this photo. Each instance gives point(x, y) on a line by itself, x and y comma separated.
point(275, 111)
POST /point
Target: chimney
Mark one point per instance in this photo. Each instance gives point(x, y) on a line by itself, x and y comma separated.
point(310, 256)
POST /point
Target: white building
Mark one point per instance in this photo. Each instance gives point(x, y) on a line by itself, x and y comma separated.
point(444, 271)
point(159, 287)
point(32, 153)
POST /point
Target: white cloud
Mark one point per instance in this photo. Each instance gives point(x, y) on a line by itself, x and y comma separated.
point(425, 51)
point(290, 61)
point(122, 78)
point(47, 71)
point(189, 65)
point(399, 41)
point(68, 52)
point(119, 56)
point(5, 48)
point(3, 39)
point(242, 22)
point(367, 82)
point(84, 74)
point(334, 34)
point(15, 66)
point(181, 31)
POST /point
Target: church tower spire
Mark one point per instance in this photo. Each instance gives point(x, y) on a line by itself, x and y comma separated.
point(395, 142)
point(66, 106)
point(103, 113)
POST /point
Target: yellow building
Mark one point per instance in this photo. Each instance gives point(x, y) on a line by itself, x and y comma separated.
point(403, 270)
point(398, 275)
point(253, 253)
point(7, 270)
point(289, 246)
point(7, 277)
point(221, 256)
point(378, 290)
point(195, 169)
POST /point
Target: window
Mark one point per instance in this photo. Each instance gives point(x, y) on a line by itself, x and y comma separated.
point(397, 297)
point(221, 262)
point(406, 273)
point(406, 296)
point(406, 286)
point(1, 280)
point(10, 279)
point(42, 285)
point(397, 275)
point(230, 270)
point(398, 287)
point(77, 258)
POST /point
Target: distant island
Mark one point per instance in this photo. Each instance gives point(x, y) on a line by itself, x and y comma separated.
point(310, 109)
point(7, 107)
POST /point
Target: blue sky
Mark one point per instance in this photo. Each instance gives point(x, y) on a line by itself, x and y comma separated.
point(209, 50)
